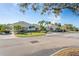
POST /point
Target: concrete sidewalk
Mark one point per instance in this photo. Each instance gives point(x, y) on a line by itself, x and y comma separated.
point(7, 36)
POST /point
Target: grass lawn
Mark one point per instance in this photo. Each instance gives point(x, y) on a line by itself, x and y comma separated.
point(32, 34)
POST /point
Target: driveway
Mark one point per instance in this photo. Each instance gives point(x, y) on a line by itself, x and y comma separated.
point(38, 46)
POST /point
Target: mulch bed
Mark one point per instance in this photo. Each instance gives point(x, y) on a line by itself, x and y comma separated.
point(68, 52)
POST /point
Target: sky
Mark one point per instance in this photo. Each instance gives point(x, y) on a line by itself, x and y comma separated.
point(10, 13)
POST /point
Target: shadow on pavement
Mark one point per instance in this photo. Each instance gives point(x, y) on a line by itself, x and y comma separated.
point(48, 52)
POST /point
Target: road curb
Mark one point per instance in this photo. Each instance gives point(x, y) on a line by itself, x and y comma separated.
point(58, 51)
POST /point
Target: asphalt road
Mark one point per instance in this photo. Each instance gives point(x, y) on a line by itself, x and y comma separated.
point(37, 46)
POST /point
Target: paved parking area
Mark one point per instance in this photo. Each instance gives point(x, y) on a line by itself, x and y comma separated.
point(44, 45)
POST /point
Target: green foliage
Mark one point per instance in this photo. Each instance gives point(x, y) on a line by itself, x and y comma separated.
point(43, 25)
point(59, 27)
point(49, 8)
point(17, 27)
point(4, 29)
point(69, 27)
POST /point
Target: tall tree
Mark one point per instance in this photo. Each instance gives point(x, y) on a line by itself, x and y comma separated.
point(42, 25)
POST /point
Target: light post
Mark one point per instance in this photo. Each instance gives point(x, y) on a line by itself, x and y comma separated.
point(13, 34)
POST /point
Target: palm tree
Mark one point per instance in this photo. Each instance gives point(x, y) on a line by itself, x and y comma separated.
point(47, 23)
point(42, 25)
